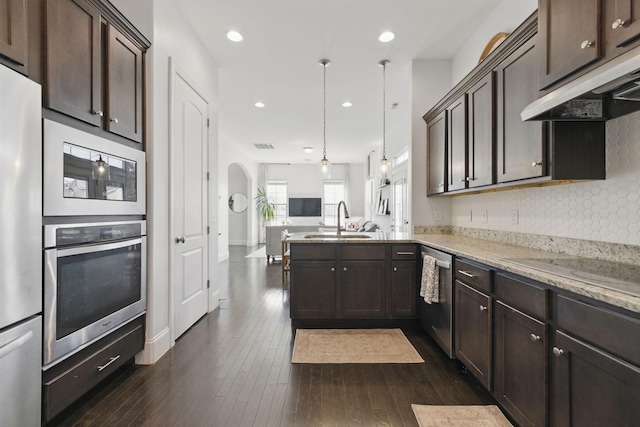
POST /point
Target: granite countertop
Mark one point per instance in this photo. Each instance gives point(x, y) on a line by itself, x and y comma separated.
point(489, 253)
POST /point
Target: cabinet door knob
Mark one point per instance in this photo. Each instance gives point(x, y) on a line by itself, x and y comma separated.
point(98, 113)
point(535, 337)
point(483, 308)
point(344, 268)
point(395, 268)
point(558, 351)
point(534, 164)
point(585, 44)
point(618, 23)
point(115, 120)
point(333, 269)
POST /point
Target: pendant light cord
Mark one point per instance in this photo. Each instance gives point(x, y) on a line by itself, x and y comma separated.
point(324, 110)
point(384, 108)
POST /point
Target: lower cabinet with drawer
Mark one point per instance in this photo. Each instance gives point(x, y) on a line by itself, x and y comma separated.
point(352, 281)
point(70, 379)
point(521, 342)
point(595, 366)
point(473, 308)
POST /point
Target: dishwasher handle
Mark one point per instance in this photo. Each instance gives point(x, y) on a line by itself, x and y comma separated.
point(442, 264)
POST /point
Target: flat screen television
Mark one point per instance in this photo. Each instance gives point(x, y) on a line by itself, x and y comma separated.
point(305, 206)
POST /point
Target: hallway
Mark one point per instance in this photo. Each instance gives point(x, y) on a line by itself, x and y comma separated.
point(233, 368)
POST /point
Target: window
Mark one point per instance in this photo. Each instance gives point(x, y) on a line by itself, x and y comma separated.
point(277, 193)
point(333, 193)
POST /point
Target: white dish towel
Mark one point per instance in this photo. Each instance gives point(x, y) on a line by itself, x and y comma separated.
point(430, 281)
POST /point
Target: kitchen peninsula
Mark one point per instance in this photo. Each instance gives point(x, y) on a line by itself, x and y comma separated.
point(541, 342)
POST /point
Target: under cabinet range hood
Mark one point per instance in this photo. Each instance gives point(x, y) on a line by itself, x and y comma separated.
point(608, 91)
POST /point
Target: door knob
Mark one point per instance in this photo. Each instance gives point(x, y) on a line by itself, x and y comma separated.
point(180, 239)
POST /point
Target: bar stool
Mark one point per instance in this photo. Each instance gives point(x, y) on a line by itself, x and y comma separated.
point(286, 256)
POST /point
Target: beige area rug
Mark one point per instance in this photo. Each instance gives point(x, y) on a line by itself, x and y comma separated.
point(353, 346)
point(459, 416)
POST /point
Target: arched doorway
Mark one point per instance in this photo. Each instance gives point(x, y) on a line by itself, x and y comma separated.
point(239, 205)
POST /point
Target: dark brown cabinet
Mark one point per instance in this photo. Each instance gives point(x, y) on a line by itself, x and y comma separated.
point(457, 144)
point(315, 293)
point(404, 288)
point(620, 22)
point(481, 124)
point(592, 388)
point(473, 331)
point(569, 32)
point(94, 71)
point(363, 289)
point(436, 154)
point(521, 365)
point(520, 147)
point(13, 32)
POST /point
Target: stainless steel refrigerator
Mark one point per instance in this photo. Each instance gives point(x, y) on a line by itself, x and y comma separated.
point(20, 250)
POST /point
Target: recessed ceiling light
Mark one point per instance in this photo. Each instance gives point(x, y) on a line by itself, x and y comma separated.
point(259, 104)
point(386, 36)
point(234, 36)
point(308, 149)
point(346, 104)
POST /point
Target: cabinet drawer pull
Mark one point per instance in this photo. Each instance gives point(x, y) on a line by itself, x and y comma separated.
point(405, 253)
point(464, 273)
point(585, 44)
point(618, 23)
point(111, 360)
point(535, 337)
point(558, 351)
point(483, 308)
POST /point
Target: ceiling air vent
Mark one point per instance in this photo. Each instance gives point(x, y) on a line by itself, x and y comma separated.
point(265, 146)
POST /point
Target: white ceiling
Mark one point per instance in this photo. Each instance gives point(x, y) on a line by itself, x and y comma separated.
point(277, 63)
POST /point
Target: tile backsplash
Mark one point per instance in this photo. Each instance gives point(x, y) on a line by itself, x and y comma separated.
point(607, 210)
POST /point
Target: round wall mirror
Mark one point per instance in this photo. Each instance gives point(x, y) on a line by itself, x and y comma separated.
point(238, 202)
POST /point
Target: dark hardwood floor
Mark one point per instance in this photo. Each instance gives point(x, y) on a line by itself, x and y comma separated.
point(233, 368)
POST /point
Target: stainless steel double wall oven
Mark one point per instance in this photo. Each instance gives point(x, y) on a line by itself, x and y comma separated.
point(94, 239)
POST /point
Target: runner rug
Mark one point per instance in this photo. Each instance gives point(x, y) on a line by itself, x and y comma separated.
point(353, 346)
point(459, 416)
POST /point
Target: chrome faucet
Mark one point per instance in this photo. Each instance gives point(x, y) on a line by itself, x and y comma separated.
point(346, 215)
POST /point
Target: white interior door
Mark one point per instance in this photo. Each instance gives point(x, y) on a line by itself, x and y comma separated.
point(189, 189)
point(400, 212)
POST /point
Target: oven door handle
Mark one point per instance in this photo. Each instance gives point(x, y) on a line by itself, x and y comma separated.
point(88, 249)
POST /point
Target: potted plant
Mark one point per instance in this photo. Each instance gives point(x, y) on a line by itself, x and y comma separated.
point(264, 206)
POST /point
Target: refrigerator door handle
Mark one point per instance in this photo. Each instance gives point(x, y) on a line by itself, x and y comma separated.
point(15, 344)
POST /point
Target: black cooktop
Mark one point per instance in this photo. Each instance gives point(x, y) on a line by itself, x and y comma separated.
point(607, 274)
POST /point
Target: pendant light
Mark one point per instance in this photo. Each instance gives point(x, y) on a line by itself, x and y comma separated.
point(324, 163)
point(384, 163)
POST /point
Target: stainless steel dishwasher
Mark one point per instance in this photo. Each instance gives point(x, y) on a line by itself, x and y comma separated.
point(437, 318)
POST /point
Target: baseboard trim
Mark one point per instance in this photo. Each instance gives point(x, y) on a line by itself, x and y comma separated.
point(154, 348)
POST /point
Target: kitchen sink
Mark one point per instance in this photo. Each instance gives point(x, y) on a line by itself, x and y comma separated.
point(336, 236)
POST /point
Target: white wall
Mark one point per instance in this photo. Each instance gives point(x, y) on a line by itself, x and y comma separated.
point(305, 180)
point(506, 17)
point(230, 153)
point(238, 221)
point(171, 37)
point(431, 80)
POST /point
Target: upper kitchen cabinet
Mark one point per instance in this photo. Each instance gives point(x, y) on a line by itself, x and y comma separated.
point(621, 23)
point(481, 147)
point(13, 31)
point(436, 154)
point(569, 36)
point(457, 144)
point(520, 148)
point(94, 68)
